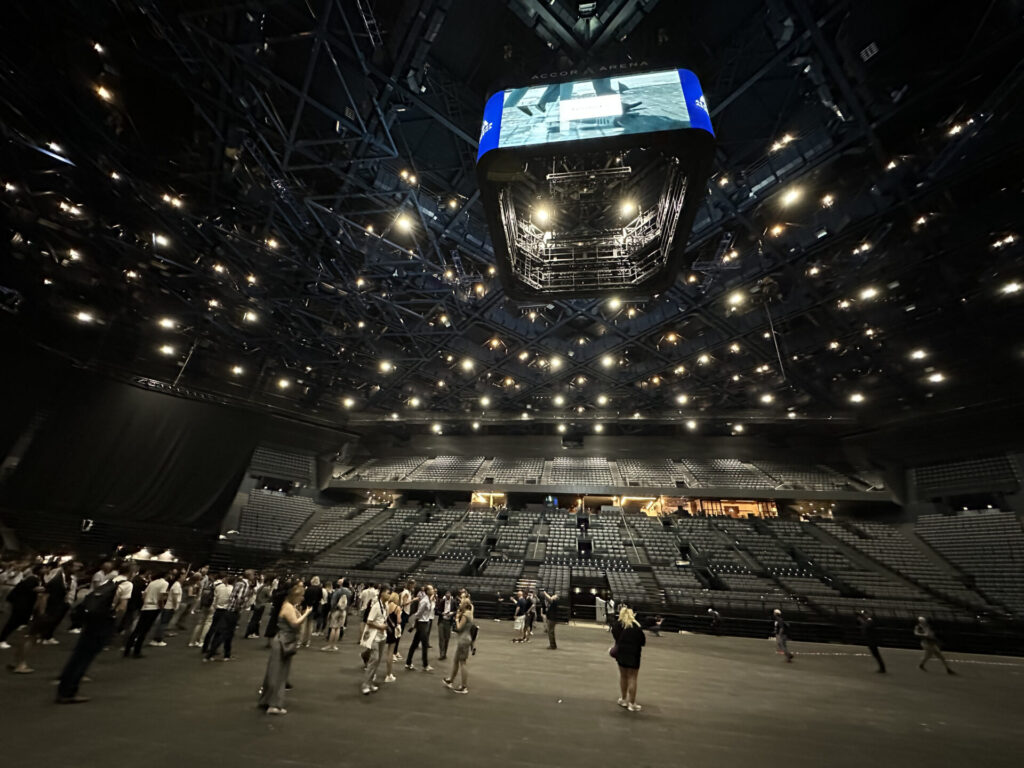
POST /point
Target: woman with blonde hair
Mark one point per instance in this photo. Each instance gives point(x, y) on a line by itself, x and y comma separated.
point(629, 641)
point(393, 620)
point(283, 648)
point(463, 631)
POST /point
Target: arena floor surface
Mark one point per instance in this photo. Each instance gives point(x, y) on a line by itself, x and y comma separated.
point(707, 701)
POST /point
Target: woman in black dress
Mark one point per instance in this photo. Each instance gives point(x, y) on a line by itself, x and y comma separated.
point(629, 641)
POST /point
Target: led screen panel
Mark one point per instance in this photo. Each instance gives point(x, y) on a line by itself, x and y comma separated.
point(601, 107)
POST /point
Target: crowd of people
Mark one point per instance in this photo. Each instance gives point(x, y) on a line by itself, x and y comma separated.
point(123, 604)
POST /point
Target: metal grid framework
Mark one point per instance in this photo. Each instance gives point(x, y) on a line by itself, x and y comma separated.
point(330, 195)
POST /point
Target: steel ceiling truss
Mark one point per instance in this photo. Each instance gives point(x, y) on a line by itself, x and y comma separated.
point(327, 135)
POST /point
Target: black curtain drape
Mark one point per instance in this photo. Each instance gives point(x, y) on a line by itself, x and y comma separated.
point(113, 451)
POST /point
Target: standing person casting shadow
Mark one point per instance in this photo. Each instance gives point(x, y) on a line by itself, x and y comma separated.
point(283, 647)
point(629, 642)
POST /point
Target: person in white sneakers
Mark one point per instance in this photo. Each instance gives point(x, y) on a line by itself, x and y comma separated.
point(170, 608)
point(153, 599)
point(374, 637)
point(394, 632)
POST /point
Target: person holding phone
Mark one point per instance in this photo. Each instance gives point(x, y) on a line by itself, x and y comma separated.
point(283, 647)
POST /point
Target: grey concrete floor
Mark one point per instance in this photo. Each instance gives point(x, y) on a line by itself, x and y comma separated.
point(707, 702)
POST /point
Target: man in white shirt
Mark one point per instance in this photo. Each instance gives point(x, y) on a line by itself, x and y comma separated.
point(421, 620)
point(374, 637)
point(153, 600)
point(103, 575)
point(222, 590)
point(170, 606)
point(368, 594)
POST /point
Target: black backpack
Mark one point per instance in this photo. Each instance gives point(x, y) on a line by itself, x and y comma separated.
point(98, 604)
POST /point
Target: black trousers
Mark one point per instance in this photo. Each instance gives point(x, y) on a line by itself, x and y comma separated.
point(18, 617)
point(138, 634)
point(54, 619)
point(422, 640)
point(878, 657)
point(95, 635)
point(225, 634)
point(253, 628)
point(218, 617)
point(444, 633)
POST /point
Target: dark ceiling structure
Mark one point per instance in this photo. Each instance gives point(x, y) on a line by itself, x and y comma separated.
point(274, 203)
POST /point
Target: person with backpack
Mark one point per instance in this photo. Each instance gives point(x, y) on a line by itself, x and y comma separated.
point(338, 608)
point(97, 614)
point(204, 616)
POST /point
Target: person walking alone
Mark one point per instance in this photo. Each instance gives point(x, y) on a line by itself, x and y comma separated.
point(464, 628)
point(929, 643)
point(550, 617)
point(781, 630)
point(629, 642)
point(283, 647)
point(870, 637)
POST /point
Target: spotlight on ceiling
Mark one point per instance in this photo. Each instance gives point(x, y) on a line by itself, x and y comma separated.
point(166, 349)
point(467, 364)
point(791, 196)
point(602, 399)
point(236, 370)
point(607, 361)
point(682, 399)
point(437, 428)
point(936, 378)
point(918, 354)
point(485, 401)
point(84, 317)
point(558, 400)
point(691, 424)
point(385, 366)
point(166, 322)
point(348, 402)
point(476, 425)
point(856, 398)
point(599, 428)
point(283, 383)
point(403, 222)
point(767, 398)
point(561, 428)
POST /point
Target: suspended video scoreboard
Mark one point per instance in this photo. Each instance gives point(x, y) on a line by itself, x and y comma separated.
point(591, 186)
